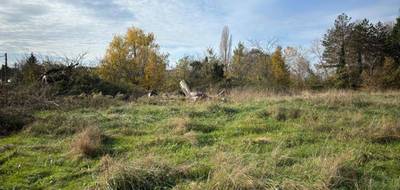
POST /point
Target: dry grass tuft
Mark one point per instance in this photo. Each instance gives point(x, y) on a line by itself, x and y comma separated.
point(191, 137)
point(292, 185)
point(260, 141)
point(382, 131)
point(179, 125)
point(231, 173)
point(336, 172)
point(283, 114)
point(386, 132)
point(147, 173)
point(279, 114)
point(88, 143)
point(248, 95)
point(106, 162)
point(129, 131)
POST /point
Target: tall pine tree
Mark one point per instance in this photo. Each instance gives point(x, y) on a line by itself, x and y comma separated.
point(336, 43)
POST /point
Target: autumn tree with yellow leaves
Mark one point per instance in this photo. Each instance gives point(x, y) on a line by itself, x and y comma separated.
point(134, 59)
point(279, 69)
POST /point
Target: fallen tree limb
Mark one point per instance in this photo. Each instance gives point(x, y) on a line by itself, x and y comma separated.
point(193, 95)
point(196, 95)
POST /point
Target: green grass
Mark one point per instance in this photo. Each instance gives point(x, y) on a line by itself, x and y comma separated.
point(332, 140)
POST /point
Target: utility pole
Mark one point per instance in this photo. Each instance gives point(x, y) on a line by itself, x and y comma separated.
point(5, 70)
point(2, 73)
point(4, 81)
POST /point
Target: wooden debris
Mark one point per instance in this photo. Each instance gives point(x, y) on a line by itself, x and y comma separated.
point(61, 72)
point(152, 93)
point(193, 95)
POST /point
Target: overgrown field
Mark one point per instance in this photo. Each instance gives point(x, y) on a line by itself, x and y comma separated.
point(330, 140)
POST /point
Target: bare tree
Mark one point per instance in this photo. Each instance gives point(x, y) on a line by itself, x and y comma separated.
point(225, 46)
point(317, 51)
point(266, 46)
point(298, 63)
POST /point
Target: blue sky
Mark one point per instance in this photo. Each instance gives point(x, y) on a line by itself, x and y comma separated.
point(182, 27)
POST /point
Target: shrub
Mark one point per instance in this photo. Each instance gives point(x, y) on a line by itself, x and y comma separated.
point(84, 80)
point(13, 122)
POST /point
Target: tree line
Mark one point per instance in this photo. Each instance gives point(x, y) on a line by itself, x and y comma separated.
point(351, 55)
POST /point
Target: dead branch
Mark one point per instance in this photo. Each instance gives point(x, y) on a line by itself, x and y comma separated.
point(193, 95)
point(62, 72)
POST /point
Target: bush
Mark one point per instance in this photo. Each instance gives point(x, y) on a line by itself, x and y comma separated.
point(17, 105)
point(13, 122)
point(83, 80)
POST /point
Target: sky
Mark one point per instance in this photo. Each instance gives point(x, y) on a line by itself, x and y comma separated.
point(59, 28)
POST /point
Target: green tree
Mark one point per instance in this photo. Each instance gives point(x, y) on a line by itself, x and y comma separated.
point(394, 42)
point(391, 66)
point(374, 54)
point(215, 68)
point(236, 69)
point(358, 51)
point(31, 69)
point(336, 43)
point(256, 68)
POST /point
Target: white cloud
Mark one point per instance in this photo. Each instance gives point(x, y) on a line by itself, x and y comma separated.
point(51, 28)
point(182, 27)
point(177, 23)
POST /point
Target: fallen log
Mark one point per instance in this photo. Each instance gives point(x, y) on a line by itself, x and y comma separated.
point(193, 95)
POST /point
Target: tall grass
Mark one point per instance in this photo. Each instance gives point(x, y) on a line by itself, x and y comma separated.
point(253, 140)
point(88, 143)
point(148, 173)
